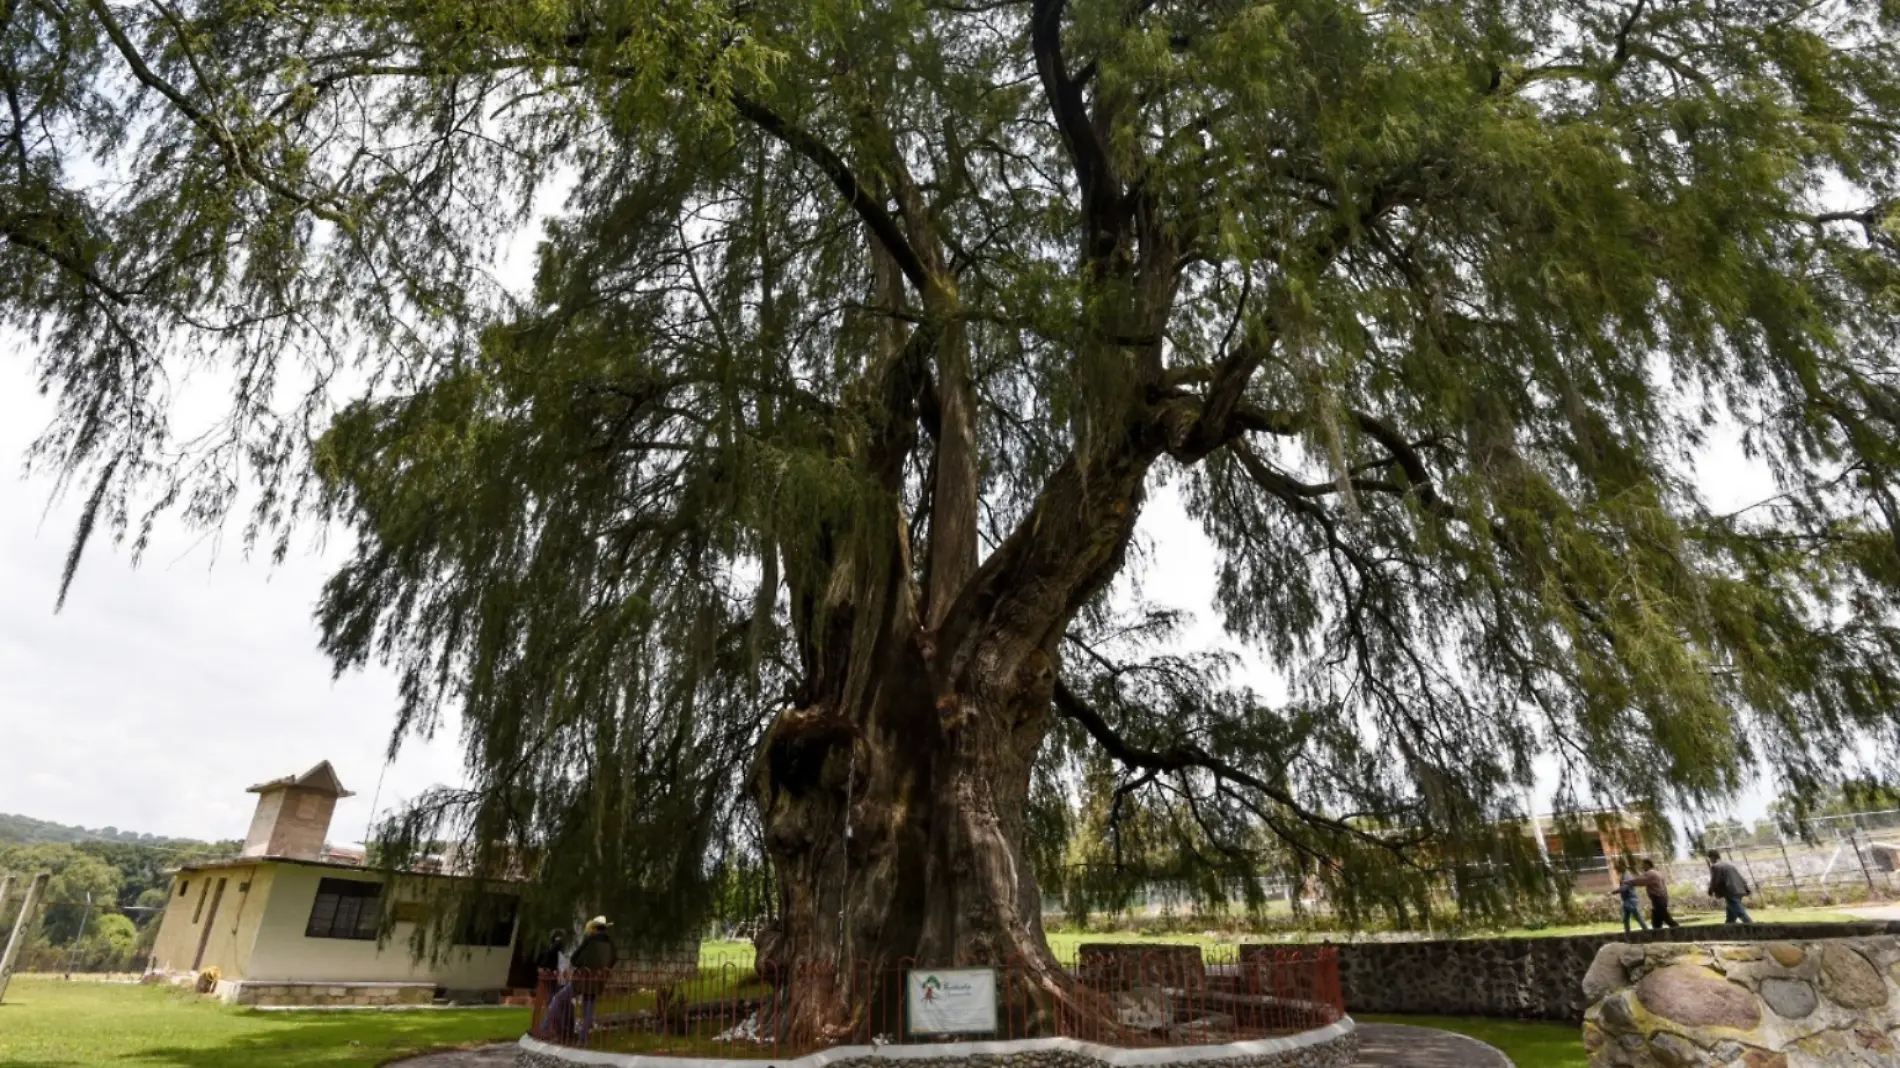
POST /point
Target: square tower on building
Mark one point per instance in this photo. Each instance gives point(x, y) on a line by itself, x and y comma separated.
point(293, 814)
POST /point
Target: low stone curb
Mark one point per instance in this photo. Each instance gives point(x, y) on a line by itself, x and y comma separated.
point(1333, 1046)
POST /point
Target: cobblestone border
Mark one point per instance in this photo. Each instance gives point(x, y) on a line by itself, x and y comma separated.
point(1333, 1046)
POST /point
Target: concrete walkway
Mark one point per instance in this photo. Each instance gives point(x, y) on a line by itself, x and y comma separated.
point(1873, 912)
point(502, 1056)
point(1399, 1046)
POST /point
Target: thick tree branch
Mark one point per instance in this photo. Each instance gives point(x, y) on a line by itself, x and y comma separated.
point(66, 261)
point(882, 224)
point(1094, 174)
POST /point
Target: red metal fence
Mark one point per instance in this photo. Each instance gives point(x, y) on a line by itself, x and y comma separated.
point(1111, 994)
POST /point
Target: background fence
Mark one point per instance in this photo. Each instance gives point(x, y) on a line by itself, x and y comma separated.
point(1846, 856)
point(1118, 995)
point(78, 937)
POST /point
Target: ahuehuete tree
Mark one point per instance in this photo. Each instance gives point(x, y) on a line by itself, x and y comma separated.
point(860, 332)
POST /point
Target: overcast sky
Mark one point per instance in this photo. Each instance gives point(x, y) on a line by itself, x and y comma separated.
point(161, 692)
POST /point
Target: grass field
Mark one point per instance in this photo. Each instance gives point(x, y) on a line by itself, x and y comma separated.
point(1528, 1044)
point(47, 1023)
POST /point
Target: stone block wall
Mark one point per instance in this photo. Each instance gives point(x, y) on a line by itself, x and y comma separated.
point(326, 995)
point(1518, 978)
point(1785, 1004)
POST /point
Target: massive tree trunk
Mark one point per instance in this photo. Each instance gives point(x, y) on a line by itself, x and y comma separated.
point(894, 793)
point(894, 796)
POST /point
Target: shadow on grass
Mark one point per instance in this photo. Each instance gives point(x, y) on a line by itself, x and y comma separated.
point(334, 1040)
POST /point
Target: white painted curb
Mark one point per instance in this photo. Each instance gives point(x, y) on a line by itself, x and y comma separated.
point(1114, 1056)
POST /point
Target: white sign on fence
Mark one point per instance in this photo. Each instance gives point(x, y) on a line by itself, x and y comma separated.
point(951, 1001)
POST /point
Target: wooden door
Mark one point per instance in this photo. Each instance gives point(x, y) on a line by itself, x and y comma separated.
point(204, 936)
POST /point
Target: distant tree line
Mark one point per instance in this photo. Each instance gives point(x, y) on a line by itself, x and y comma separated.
point(106, 896)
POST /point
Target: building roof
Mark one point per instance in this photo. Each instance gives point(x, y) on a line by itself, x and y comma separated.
point(321, 779)
point(249, 862)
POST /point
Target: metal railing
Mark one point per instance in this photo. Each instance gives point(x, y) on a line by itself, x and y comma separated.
point(1116, 995)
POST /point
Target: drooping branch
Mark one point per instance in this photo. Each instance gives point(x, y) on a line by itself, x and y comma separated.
point(1186, 756)
point(236, 152)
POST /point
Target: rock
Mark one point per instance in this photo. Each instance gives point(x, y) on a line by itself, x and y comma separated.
point(1761, 1058)
point(1616, 1014)
point(1792, 998)
point(1742, 954)
point(1697, 997)
point(1873, 1040)
point(1607, 973)
point(1145, 1008)
point(1849, 979)
point(1675, 1051)
point(1788, 956)
point(1592, 1037)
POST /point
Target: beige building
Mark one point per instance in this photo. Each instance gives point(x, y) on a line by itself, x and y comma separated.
point(289, 922)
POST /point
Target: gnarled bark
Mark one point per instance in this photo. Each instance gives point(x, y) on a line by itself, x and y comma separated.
point(894, 797)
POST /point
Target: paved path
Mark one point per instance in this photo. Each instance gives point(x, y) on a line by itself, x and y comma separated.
point(1399, 1046)
point(1874, 912)
point(502, 1056)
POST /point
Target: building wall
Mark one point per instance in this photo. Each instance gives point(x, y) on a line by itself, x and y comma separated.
point(282, 953)
point(235, 931)
point(233, 925)
point(177, 936)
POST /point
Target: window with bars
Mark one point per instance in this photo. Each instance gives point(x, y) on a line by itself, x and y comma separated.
point(345, 908)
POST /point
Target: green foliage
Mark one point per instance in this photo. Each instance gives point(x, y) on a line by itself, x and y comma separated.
point(1428, 308)
point(90, 934)
point(25, 830)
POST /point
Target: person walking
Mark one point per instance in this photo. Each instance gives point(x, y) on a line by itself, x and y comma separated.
point(1726, 882)
point(551, 968)
point(1657, 887)
point(593, 958)
point(1626, 890)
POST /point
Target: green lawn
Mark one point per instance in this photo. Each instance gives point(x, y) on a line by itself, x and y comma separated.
point(1528, 1044)
point(47, 1023)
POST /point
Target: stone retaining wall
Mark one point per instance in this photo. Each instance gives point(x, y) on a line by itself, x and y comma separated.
point(1813, 1004)
point(349, 995)
point(1335, 1046)
point(1519, 978)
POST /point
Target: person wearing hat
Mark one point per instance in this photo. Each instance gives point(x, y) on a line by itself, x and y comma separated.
point(592, 959)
